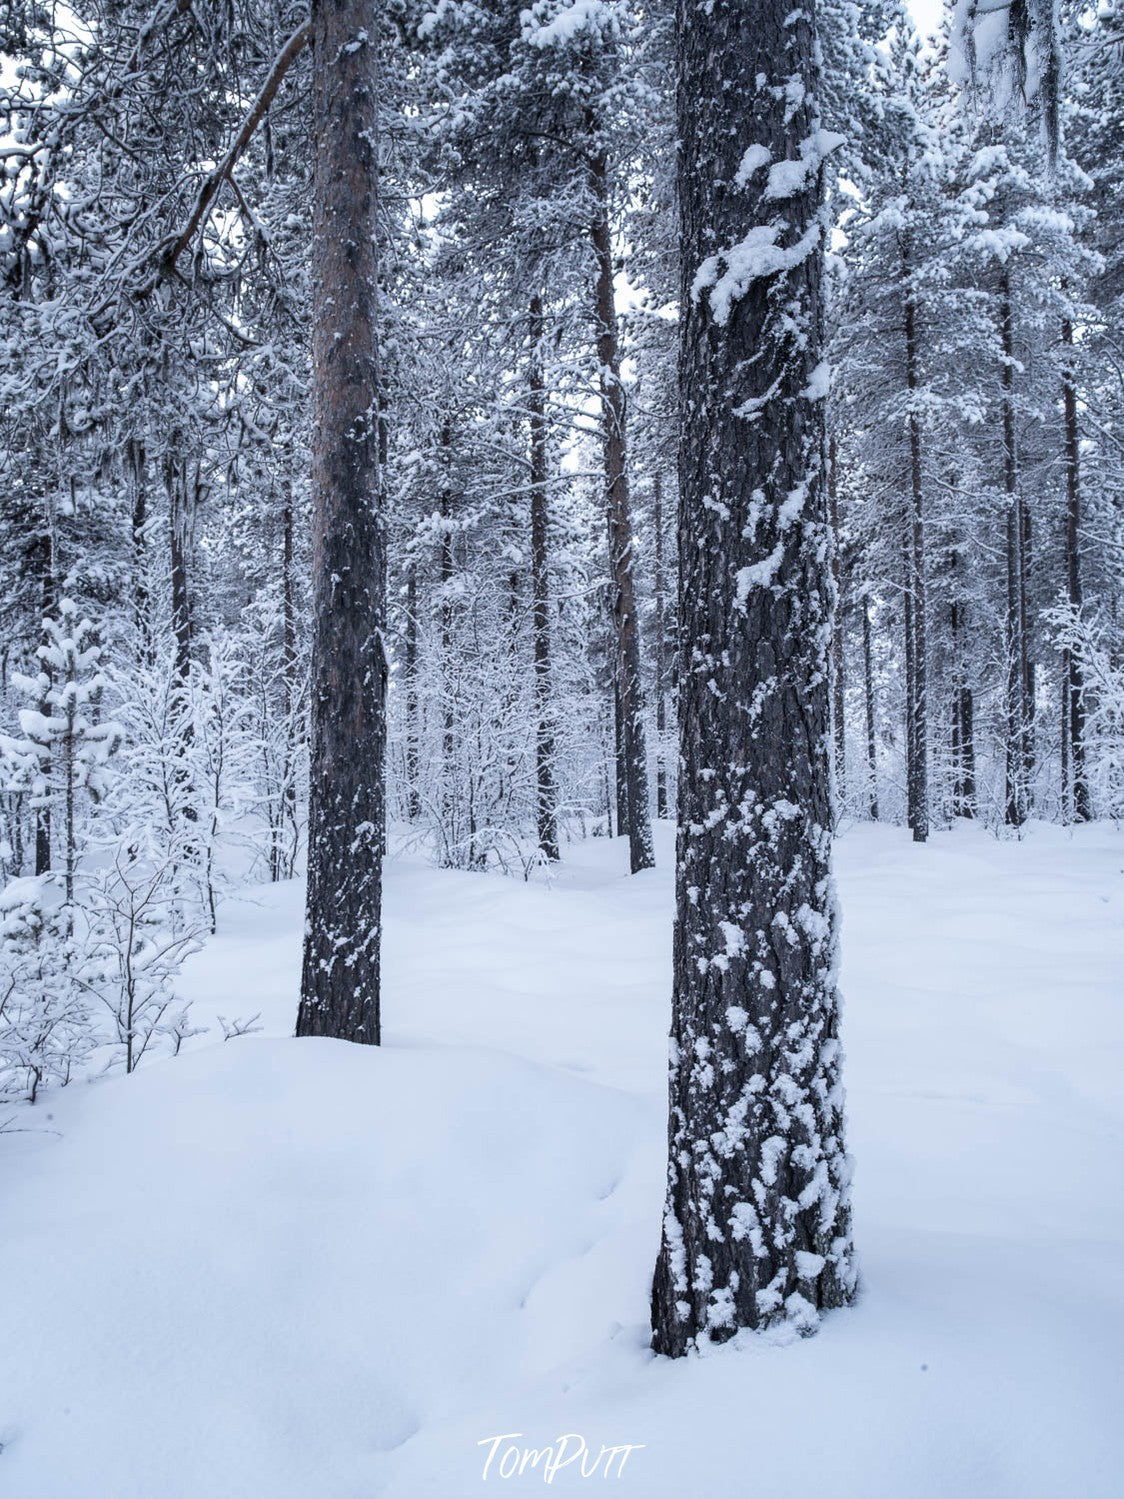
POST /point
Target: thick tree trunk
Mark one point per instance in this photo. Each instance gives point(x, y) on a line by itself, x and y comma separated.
point(661, 649)
point(1017, 727)
point(868, 702)
point(917, 724)
point(1074, 726)
point(340, 978)
point(756, 1227)
point(618, 508)
point(546, 802)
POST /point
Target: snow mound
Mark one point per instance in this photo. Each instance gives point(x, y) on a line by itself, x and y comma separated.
point(278, 1269)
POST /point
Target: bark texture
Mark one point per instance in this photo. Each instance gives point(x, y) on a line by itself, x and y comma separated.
point(756, 1227)
point(1073, 728)
point(340, 978)
point(546, 793)
point(1018, 715)
point(633, 755)
point(917, 654)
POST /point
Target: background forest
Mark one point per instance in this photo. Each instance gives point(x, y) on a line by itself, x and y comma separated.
point(154, 364)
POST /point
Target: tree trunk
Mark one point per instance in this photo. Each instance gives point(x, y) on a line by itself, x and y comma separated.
point(756, 1226)
point(137, 466)
point(626, 624)
point(838, 722)
point(963, 740)
point(290, 685)
point(43, 561)
point(448, 733)
point(661, 650)
point(620, 763)
point(413, 715)
point(1074, 727)
point(546, 801)
point(179, 526)
point(868, 699)
point(967, 753)
point(917, 730)
point(1016, 768)
point(340, 978)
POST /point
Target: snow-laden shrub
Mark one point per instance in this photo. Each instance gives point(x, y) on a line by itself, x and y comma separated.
point(45, 1022)
point(136, 930)
point(1100, 654)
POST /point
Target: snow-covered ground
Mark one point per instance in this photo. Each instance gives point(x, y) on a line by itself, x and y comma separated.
point(277, 1269)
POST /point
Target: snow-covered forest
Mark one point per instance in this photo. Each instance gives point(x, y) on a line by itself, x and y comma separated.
point(503, 503)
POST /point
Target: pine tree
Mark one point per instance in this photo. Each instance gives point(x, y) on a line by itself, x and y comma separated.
point(757, 1223)
point(340, 978)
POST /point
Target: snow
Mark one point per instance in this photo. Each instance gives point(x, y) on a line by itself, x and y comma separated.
point(753, 159)
point(273, 1269)
point(757, 575)
point(753, 258)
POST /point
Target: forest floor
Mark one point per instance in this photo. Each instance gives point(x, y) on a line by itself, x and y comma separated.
point(278, 1269)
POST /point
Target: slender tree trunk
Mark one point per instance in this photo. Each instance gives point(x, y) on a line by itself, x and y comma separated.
point(43, 560)
point(290, 688)
point(340, 978)
point(1074, 734)
point(445, 577)
point(1016, 773)
point(909, 653)
point(179, 523)
point(546, 801)
point(963, 739)
point(661, 649)
point(620, 763)
point(756, 1226)
point(1030, 695)
point(838, 722)
point(413, 715)
point(137, 467)
point(627, 626)
point(868, 700)
point(967, 753)
point(916, 591)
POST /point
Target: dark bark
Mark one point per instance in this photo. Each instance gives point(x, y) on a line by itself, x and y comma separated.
point(963, 709)
point(619, 517)
point(1017, 777)
point(546, 804)
point(179, 529)
point(1073, 736)
point(967, 753)
point(661, 648)
point(137, 466)
point(340, 978)
point(917, 725)
point(445, 578)
point(868, 703)
point(620, 764)
point(283, 866)
point(413, 715)
point(756, 1227)
point(838, 722)
point(42, 562)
